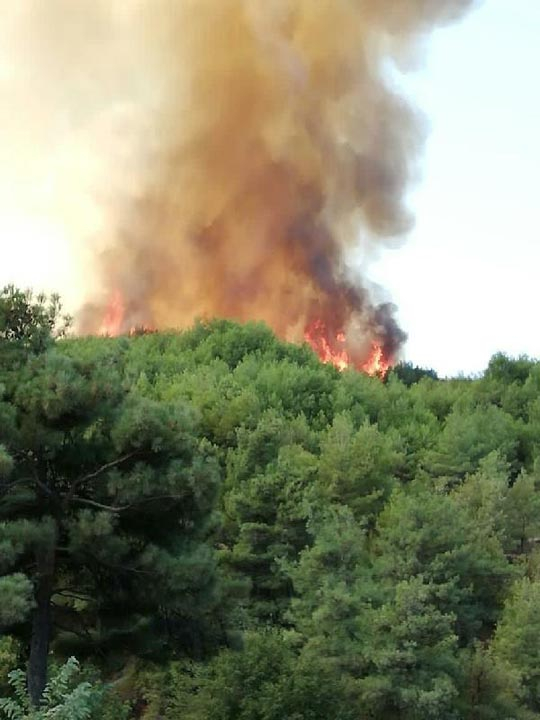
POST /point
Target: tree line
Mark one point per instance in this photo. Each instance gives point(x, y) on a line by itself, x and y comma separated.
point(217, 525)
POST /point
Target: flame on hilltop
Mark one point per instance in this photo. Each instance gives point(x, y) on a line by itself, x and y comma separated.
point(330, 350)
point(113, 323)
point(113, 319)
point(334, 350)
point(377, 364)
point(269, 147)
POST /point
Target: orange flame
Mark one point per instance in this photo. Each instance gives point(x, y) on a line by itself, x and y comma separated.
point(114, 319)
point(330, 349)
point(111, 325)
point(376, 364)
point(333, 350)
point(315, 335)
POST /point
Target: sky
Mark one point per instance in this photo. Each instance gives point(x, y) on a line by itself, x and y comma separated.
point(466, 281)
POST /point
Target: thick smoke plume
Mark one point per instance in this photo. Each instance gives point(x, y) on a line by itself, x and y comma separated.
point(268, 144)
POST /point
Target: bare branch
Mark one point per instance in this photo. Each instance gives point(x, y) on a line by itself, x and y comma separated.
point(98, 472)
point(69, 593)
point(100, 506)
point(122, 508)
point(46, 489)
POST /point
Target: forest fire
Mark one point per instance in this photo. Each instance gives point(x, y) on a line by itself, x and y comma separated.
point(113, 319)
point(271, 162)
point(333, 350)
point(377, 364)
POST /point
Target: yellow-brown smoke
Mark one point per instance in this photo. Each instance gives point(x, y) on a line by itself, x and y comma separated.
point(271, 144)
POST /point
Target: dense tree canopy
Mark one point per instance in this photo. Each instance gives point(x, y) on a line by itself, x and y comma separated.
point(226, 528)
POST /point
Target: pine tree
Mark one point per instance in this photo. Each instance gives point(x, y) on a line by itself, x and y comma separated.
point(105, 499)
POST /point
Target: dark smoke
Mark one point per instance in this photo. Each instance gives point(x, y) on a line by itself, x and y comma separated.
point(278, 146)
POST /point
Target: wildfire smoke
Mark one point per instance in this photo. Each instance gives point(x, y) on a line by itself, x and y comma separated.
point(270, 143)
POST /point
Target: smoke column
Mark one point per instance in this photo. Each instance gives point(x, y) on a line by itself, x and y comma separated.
point(261, 142)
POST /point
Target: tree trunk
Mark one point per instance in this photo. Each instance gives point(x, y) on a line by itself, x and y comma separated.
point(41, 623)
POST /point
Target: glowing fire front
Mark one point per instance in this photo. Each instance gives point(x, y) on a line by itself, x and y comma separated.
point(114, 319)
point(112, 322)
point(333, 350)
point(376, 364)
point(330, 349)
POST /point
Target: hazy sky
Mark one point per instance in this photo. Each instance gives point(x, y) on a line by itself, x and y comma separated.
point(466, 281)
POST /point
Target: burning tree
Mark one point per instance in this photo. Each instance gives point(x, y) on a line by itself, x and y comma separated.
point(277, 150)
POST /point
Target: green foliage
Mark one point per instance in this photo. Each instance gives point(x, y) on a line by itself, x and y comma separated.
point(410, 374)
point(16, 598)
point(484, 497)
point(431, 536)
point(334, 586)
point(523, 510)
point(492, 689)
point(106, 509)
point(505, 370)
point(357, 469)
point(516, 645)
point(265, 681)
point(267, 478)
point(28, 323)
point(10, 652)
point(468, 436)
point(413, 666)
point(228, 528)
point(63, 698)
point(6, 463)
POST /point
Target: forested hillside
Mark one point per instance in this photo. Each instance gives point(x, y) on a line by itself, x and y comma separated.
point(220, 527)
